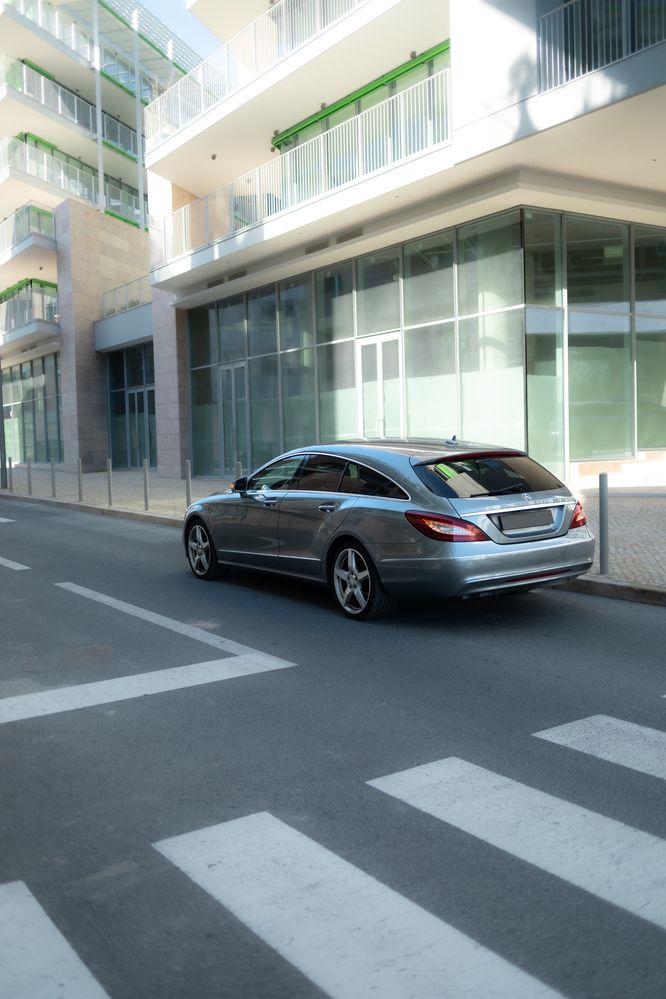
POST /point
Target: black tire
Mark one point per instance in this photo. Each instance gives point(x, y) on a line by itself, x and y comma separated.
point(201, 551)
point(356, 584)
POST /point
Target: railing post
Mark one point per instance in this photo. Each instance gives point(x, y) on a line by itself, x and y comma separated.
point(79, 469)
point(109, 480)
point(53, 480)
point(28, 465)
point(188, 482)
point(145, 484)
point(603, 524)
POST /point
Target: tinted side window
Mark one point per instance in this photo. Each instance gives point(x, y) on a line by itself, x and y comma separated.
point(321, 474)
point(359, 479)
point(279, 475)
point(492, 475)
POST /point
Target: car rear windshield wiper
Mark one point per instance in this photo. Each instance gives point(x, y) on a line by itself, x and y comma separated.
point(500, 492)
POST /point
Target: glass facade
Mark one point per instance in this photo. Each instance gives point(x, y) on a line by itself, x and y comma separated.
point(530, 328)
point(32, 410)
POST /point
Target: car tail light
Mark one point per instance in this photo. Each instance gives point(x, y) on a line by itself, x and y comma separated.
point(441, 528)
point(579, 519)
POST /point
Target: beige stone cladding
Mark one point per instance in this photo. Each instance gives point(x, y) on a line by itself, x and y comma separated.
point(96, 253)
point(171, 385)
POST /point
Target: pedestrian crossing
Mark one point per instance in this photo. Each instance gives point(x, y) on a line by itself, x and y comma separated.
point(355, 937)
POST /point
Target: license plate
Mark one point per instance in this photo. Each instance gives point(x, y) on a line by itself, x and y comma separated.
point(525, 518)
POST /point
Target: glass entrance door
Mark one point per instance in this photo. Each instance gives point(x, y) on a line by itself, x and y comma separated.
point(233, 408)
point(381, 409)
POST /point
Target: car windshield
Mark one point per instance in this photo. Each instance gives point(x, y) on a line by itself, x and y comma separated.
point(486, 475)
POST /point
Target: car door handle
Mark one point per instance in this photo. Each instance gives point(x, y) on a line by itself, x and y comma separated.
point(266, 500)
point(326, 507)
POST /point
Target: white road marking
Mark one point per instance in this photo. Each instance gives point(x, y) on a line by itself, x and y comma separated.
point(350, 934)
point(8, 564)
point(6, 520)
point(87, 695)
point(614, 861)
point(36, 962)
point(198, 634)
point(615, 740)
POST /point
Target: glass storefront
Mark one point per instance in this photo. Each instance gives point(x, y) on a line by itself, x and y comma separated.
point(529, 328)
point(32, 410)
point(131, 378)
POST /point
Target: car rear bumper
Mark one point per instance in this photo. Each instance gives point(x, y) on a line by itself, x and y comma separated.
point(468, 569)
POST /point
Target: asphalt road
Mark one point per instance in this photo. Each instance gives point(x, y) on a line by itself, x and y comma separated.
point(178, 830)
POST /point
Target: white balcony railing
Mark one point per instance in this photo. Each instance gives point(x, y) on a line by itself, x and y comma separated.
point(413, 122)
point(286, 26)
point(63, 102)
point(127, 296)
point(32, 302)
point(62, 173)
point(29, 220)
point(584, 35)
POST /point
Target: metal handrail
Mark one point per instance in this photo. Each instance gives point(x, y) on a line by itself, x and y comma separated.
point(272, 37)
point(411, 123)
point(578, 38)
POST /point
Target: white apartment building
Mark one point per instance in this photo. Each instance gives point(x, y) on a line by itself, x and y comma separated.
point(74, 79)
point(414, 218)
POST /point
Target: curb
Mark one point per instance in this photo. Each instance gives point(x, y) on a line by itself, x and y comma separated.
point(616, 590)
point(146, 517)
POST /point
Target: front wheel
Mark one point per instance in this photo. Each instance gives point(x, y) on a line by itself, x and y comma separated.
point(357, 585)
point(201, 551)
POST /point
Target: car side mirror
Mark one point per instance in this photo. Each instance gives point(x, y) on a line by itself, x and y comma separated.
point(240, 485)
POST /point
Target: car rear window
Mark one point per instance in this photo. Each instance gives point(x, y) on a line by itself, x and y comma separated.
point(486, 475)
point(364, 481)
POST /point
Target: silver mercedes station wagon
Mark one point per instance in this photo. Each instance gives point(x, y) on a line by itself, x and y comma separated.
point(377, 521)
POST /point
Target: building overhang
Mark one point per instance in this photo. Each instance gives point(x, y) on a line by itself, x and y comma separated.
point(35, 255)
point(125, 329)
point(39, 333)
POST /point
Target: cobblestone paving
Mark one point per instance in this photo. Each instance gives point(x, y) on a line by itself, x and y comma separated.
point(636, 528)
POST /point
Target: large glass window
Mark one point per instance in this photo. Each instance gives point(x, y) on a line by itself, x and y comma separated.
point(492, 378)
point(490, 271)
point(431, 381)
point(378, 292)
point(205, 423)
point(428, 280)
point(545, 387)
point(262, 322)
point(298, 398)
point(650, 262)
point(231, 318)
point(335, 307)
point(651, 382)
point(264, 408)
point(600, 410)
point(32, 410)
point(337, 392)
point(597, 263)
point(296, 314)
point(543, 257)
point(203, 337)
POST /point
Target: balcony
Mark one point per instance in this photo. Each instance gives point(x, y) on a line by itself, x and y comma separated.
point(27, 244)
point(410, 124)
point(28, 313)
point(25, 79)
point(585, 35)
point(285, 27)
point(56, 175)
point(127, 296)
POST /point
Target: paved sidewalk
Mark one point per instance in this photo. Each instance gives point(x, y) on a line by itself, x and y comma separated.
point(637, 520)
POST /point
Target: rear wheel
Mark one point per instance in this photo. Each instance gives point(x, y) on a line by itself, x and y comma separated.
point(357, 585)
point(201, 551)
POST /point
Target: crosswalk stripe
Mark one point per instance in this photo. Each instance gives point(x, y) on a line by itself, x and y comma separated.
point(614, 740)
point(6, 520)
point(36, 962)
point(350, 934)
point(188, 630)
point(87, 695)
point(611, 860)
point(17, 566)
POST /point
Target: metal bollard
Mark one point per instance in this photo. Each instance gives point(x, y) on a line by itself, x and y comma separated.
point(603, 524)
point(188, 482)
point(10, 475)
point(239, 470)
point(145, 484)
point(53, 480)
point(28, 465)
point(80, 475)
point(109, 480)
